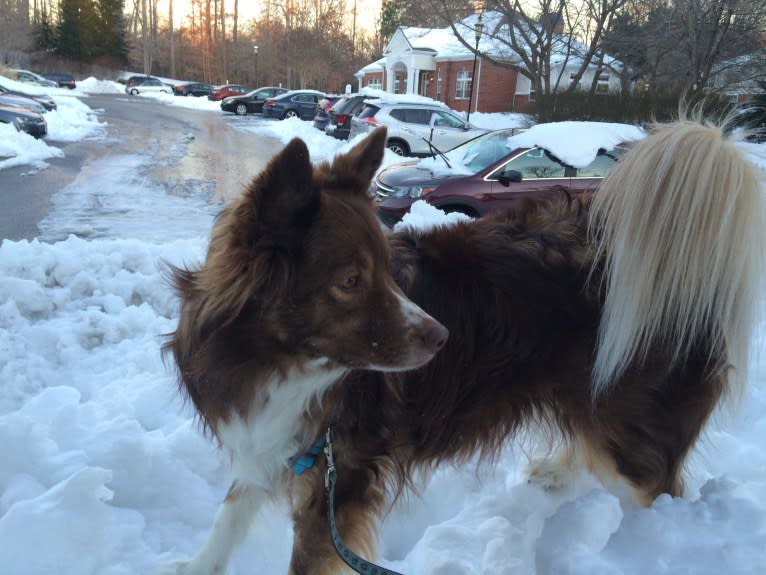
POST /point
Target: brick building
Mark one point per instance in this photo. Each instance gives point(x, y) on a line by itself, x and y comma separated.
point(433, 62)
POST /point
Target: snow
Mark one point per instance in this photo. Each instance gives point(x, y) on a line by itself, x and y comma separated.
point(583, 142)
point(103, 470)
point(493, 42)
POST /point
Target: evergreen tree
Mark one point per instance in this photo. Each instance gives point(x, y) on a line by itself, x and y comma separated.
point(391, 13)
point(91, 29)
point(111, 30)
point(45, 35)
point(76, 30)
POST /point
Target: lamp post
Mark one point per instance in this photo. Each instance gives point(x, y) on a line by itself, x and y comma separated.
point(255, 75)
point(477, 31)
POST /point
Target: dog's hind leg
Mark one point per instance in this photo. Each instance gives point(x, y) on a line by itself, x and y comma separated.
point(555, 471)
point(643, 433)
point(230, 527)
point(358, 503)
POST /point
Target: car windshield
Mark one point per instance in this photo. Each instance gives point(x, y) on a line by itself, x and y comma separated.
point(475, 155)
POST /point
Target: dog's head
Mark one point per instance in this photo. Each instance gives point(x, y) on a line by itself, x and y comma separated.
point(299, 266)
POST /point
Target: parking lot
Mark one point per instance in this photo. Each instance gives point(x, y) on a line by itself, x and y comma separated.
point(188, 153)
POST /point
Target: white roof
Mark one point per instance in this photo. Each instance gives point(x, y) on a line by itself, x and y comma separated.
point(447, 46)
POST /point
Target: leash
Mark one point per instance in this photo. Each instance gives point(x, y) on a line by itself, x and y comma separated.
point(361, 566)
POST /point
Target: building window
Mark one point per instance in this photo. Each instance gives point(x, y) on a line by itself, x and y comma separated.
point(602, 83)
point(532, 92)
point(439, 85)
point(463, 85)
point(375, 82)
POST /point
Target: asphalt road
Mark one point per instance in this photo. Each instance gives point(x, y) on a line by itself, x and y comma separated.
point(188, 147)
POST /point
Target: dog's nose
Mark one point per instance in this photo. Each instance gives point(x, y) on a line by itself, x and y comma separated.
point(435, 336)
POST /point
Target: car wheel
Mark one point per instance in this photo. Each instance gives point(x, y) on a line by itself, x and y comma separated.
point(240, 110)
point(133, 92)
point(398, 147)
point(291, 114)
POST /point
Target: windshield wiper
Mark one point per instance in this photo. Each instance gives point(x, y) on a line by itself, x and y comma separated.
point(435, 150)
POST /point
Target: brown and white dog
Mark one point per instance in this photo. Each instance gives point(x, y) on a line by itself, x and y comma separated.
point(619, 320)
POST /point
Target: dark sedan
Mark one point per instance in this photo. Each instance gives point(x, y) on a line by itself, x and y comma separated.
point(47, 102)
point(250, 103)
point(24, 120)
point(63, 80)
point(192, 89)
point(486, 174)
point(22, 102)
point(295, 104)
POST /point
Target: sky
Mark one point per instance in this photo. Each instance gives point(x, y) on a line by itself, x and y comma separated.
point(104, 471)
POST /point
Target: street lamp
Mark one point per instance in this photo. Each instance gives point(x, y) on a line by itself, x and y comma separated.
point(255, 53)
point(477, 31)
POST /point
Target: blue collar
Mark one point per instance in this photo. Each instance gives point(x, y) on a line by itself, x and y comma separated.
point(301, 463)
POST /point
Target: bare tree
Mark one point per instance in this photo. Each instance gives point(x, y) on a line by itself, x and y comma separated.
point(172, 40)
point(675, 47)
point(15, 26)
point(540, 37)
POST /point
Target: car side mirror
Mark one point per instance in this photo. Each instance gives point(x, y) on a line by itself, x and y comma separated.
point(505, 178)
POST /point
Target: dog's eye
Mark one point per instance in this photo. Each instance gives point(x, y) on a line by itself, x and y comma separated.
point(349, 283)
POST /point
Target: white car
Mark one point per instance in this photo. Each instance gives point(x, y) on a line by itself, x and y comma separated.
point(415, 129)
point(148, 86)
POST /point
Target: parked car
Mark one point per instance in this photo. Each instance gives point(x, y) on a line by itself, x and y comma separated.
point(227, 91)
point(62, 80)
point(339, 116)
point(22, 102)
point(47, 102)
point(489, 173)
point(295, 104)
point(148, 86)
point(250, 103)
point(192, 89)
point(24, 120)
point(32, 78)
point(321, 116)
point(412, 125)
point(139, 79)
point(136, 80)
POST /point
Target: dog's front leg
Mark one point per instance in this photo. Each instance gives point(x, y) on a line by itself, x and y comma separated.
point(230, 527)
point(359, 501)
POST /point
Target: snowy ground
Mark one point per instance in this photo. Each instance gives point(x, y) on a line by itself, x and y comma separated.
point(103, 471)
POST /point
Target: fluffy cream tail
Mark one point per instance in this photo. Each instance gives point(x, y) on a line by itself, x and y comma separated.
point(679, 225)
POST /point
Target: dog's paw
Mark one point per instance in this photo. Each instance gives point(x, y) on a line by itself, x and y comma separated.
point(552, 474)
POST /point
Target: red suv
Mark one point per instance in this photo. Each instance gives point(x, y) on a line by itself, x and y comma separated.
point(485, 174)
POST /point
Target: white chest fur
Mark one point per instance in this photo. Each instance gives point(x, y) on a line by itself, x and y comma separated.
point(260, 444)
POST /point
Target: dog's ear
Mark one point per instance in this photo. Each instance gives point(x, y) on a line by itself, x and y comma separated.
point(360, 163)
point(284, 194)
point(252, 236)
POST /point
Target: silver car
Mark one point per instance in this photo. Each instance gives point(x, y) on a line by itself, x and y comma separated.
point(149, 85)
point(32, 78)
point(415, 129)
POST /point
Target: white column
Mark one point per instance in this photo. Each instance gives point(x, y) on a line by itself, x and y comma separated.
point(412, 78)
